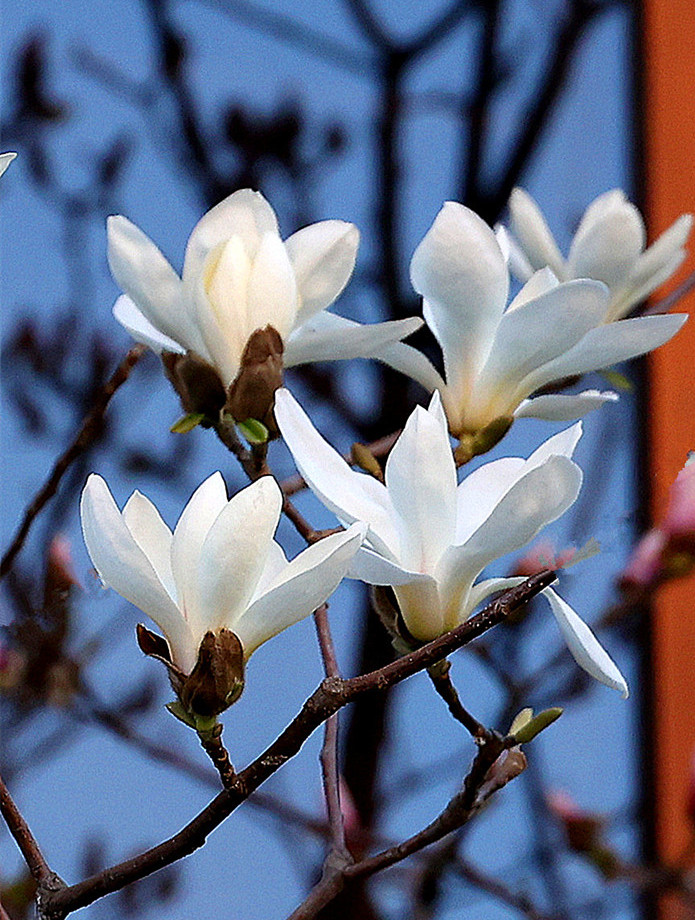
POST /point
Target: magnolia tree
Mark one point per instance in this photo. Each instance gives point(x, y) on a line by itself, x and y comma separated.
point(427, 516)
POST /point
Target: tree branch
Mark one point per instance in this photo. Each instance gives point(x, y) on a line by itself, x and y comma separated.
point(327, 699)
point(89, 432)
point(41, 872)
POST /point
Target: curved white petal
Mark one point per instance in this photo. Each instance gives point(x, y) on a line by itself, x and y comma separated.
point(559, 407)
point(351, 496)
point(535, 333)
point(530, 229)
point(586, 650)
point(536, 499)
point(123, 566)
point(421, 608)
point(662, 250)
point(5, 160)
point(302, 587)
point(197, 518)
point(481, 490)
point(483, 589)
point(323, 257)
point(329, 337)
point(562, 444)
point(272, 294)
point(235, 552)
point(374, 569)
point(413, 364)
point(461, 273)
point(245, 213)
point(142, 272)
point(127, 314)
point(539, 283)
point(221, 314)
point(421, 481)
point(608, 345)
point(607, 246)
point(152, 536)
point(627, 296)
point(274, 565)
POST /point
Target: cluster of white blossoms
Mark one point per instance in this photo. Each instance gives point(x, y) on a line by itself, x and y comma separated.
point(420, 531)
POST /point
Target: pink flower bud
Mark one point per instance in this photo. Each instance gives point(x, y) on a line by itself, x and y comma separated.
point(544, 556)
point(646, 563)
point(680, 515)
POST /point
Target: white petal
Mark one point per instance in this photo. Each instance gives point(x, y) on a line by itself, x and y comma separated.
point(461, 273)
point(142, 272)
point(534, 334)
point(329, 337)
point(272, 297)
point(374, 569)
point(235, 552)
point(323, 257)
point(559, 407)
point(584, 646)
point(123, 566)
point(220, 327)
point(189, 535)
point(530, 229)
point(413, 364)
point(421, 480)
point(607, 247)
point(141, 329)
point(662, 250)
point(628, 295)
point(608, 345)
point(536, 499)
point(514, 255)
point(481, 490)
point(152, 536)
point(351, 496)
point(5, 160)
point(562, 444)
point(483, 589)
point(302, 587)
point(539, 283)
point(274, 565)
point(245, 213)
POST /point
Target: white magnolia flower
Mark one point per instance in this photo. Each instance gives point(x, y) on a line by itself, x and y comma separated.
point(5, 160)
point(496, 356)
point(428, 538)
point(609, 245)
point(221, 567)
point(239, 276)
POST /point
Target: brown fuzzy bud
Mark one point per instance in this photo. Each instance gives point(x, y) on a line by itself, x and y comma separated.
point(252, 393)
point(197, 383)
point(217, 679)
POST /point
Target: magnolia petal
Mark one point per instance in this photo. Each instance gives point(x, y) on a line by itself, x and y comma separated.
point(421, 480)
point(272, 295)
point(421, 608)
point(413, 364)
point(245, 213)
point(530, 229)
point(608, 345)
point(481, 490)
point(536, 499)
point(307, 581)
point(222, 338)
point(275, 564)
point(142, 272)
point(225, 280)
point(607, 246)
point(539, 283)
point(516, 259)
point(483, 589)
point(129, 316)
point(197, 518)
point(461, 272)
point(329, 337)
point(535, 333)
point(235, 552)
point(323, 257)
point(563, 408)
point(627, 296)
point(5, 160)
point(123, 566)
point(152, 536)
point(374, 569)
point(586, 650)
point(351, 496)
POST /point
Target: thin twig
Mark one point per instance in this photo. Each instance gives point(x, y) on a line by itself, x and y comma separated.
point(89, 432)
point(329, 750)
point(327, 699)
point(42, 873)
point(440, 675)
point(520, 902)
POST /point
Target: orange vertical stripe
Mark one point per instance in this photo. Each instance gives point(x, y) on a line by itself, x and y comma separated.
point(670, 176)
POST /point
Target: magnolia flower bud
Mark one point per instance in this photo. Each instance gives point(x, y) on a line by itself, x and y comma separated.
point(252, 393)
point(197, 383)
